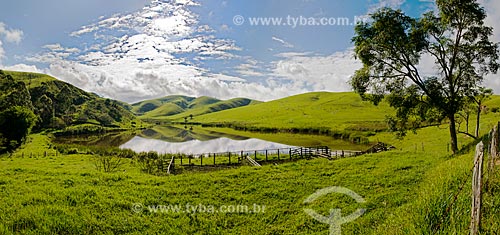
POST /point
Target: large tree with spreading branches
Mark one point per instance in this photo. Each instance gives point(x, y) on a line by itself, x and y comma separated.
point(393, 45)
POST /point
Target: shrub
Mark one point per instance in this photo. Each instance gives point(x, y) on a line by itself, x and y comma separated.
point(108, 163)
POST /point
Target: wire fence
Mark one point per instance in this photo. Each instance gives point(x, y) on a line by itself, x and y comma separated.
point(488, 147)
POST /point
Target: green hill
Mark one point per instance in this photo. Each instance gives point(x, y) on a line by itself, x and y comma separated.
point(331, 111)
point(178, 107)
point(58, 104)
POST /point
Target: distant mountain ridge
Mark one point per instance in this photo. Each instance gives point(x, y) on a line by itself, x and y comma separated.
point(178, 106)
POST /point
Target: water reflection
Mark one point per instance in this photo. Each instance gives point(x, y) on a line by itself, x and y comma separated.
point(217, 145)
point(185, 134)
point(197, 140)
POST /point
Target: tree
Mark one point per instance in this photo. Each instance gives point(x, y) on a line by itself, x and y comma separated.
point(392, 45)
point(478, 100)
point(475, 105)
point(44, 107)
point(15, 125)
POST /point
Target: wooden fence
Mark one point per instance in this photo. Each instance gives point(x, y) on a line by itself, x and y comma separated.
point(37, 154)
point(477, 174)
point(252, 157)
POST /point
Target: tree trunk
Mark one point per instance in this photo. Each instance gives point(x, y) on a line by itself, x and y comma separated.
point(453, 134)
point(477, 120)
point(467, 122)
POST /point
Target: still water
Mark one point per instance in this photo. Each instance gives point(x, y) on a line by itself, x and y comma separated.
point(170, 139)
point(223, 144)
point(197, 140)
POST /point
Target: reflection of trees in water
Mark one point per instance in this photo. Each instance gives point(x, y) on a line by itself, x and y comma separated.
point(184, 134)
point(114, 139)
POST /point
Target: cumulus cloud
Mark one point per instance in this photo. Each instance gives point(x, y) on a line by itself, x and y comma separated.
point(24, 68)
point(142, 55)
point(162, 49)
point(252, 68)
point(10, 36)
point(327, 73)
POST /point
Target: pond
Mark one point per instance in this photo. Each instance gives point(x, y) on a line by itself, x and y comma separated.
point(198, 140)
point(223, 144)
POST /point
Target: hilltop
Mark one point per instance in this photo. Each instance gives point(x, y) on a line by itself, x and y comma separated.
point(316, 110)
point(177, 106)
point(58, 104)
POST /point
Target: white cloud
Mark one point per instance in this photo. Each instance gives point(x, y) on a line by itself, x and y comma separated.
point(283, 42)
point(10, 36)
point(57, 47)
point(147, 60)
point(2, 52)
point(252, 68)
point(492, 8)
point(386, 3)
point(141, 55)
point(327, 73)
point(151, 80)
point(23, 68)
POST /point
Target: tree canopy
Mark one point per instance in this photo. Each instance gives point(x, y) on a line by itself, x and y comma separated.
point(15, 125)
point(392, 47)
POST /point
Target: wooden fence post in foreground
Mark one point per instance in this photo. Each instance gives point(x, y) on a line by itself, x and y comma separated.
point(476, 189)
point(494, 136)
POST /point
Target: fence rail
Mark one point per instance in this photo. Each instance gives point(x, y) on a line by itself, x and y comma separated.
point(253, 157)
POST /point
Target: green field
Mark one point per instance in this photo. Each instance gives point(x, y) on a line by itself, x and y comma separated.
point(417, 188)
point(406, 190)
point(334, 111)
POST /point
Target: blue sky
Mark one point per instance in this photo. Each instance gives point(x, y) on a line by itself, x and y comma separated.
point(137, 49)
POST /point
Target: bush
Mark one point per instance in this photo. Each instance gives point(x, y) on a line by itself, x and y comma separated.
point(108, 163)
point(15, 124)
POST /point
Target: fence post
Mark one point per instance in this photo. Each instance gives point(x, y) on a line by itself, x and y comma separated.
point(494, 136)
point(201, 160)
point(229, 158)
point(476, 189)
point(181, 159)
point(255, 155)
point(266, 155)
point(290, 152)
point(214, 159)
point(278, 154)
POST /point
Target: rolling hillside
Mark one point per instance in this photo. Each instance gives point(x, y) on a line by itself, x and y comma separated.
point(178, 107)
point(333, 111)
point(58, 104)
